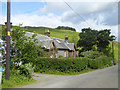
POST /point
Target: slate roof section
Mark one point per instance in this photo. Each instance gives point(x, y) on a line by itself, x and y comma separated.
point(46, 44)
point(46, 41)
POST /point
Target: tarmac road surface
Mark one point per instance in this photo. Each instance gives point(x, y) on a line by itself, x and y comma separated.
point(103, 78)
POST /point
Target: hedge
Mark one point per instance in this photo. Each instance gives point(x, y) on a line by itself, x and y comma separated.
point(100, 62)
point(68, 65)
point(61, 64)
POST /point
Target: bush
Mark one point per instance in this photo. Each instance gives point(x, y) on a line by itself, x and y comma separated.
point(16, 80)
point(60, 56)
point(68, 65)
point(100, 62)
point(65, 65)
point(26, 70)
point(92, 54)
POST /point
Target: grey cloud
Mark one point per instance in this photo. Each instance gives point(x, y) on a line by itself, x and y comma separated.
point(111, 18)
point(105, 9)
point(86, 10)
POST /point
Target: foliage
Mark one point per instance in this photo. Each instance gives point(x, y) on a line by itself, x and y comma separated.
point(16, 80)
point(100, 62)
point(87, 39)
point(90, 38)
point(23, 49)
point(60, 56)
point(92, 54)
point(65, 65)
point(26, 70)
point(65, 28)
point(103, 38)
point(71, 65)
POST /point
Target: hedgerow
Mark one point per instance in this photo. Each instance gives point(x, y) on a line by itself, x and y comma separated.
point(61, 64)
point(101, 62)
point(68, 65)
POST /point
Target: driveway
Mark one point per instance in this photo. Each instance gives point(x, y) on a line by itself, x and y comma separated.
point(103, 78)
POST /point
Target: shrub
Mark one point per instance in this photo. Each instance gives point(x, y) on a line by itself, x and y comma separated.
point(16, 80)
point(100, 62)
point(60, 56)
point(92, 54)
point(68, 65)
point(65, 65)
point(26, 70)
point(95, 64)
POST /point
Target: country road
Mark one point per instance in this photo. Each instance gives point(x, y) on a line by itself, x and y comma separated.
point(103, 78)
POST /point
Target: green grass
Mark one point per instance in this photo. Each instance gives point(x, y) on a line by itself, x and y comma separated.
point(0, 87)
point(70, 73)
point(16, 81)
point(73, 36)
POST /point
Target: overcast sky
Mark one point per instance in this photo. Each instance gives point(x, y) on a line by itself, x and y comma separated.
point(97, 15)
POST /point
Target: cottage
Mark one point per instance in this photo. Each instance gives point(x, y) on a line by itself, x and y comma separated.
point(54, 46)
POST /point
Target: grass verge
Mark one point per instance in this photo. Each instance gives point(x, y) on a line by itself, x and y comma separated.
point(16, 81)
point(68, 73)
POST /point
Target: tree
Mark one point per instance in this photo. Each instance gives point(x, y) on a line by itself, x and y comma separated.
point(90, 38)
point(65, 28)
point(87, 38)
point(23, 49)
point(103, 41)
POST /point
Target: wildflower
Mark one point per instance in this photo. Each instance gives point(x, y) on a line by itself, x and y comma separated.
point(111, 61)
point(99, 57)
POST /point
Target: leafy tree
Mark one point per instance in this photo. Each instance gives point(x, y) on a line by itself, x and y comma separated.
point(87, 39)
point(23, 49)
point(90, 38)
point(65, 28)
point(103, 39)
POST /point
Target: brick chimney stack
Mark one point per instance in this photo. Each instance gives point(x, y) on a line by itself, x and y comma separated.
point(66, 37)
point(47, 33)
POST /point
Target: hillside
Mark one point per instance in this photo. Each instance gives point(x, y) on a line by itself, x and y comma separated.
point(117, 48)
point(73, 36)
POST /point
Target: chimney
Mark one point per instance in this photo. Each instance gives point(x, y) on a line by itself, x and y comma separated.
point(66, 37)
point(47, 33)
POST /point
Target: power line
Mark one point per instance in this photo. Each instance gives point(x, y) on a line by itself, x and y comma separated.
point(75, 12)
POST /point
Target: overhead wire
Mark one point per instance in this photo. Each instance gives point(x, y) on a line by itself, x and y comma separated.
point(77, 13)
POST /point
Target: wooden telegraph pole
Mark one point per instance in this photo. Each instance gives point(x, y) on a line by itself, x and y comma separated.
point(7, 73)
